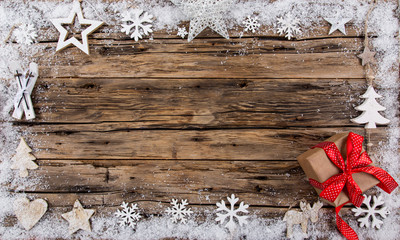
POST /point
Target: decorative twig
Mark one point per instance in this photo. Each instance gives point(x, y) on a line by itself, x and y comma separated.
point(11, 31)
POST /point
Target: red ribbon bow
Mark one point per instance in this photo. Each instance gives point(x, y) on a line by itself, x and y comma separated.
point(356, 162)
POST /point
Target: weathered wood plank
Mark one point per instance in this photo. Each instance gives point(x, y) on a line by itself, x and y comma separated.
point(202, 65)
point(177, 103)
point(235, 144)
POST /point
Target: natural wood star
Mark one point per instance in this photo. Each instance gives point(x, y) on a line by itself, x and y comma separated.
point(76, 12)
point(78, 218)
point(367, 56)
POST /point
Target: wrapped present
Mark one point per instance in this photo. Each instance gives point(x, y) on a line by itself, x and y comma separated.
point(340, 171)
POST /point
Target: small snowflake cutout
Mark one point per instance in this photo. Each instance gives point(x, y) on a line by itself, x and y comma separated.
point(179, 212)
point(128, 215)
point(288, 26)
point(371, 212)
point(232, 213)
point(251, 24)
point(182, 32)
point(135, 20)
point(25, 34)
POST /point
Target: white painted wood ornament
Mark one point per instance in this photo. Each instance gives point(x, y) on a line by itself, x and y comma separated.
point(29, 212)
point(78, 218)
point(296, 217)
point(337, 23)
point(22, 101)
point(371, 212)
point(23, 159)
point(370, 109)
point(76, 11)
point(231, 213)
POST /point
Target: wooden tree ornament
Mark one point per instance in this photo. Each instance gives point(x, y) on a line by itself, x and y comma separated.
point(23, 159)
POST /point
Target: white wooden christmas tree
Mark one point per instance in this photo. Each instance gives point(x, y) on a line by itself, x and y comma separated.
point(370, 108)
point(23, 159)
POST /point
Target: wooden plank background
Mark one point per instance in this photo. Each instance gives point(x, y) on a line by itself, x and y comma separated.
point(158, 119)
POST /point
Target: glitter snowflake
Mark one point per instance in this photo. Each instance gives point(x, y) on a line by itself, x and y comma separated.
point(25, 34)
point(288, 26)
point(182, 32)
point(251, 24)
point(232, 213)
point(179, 211)
point(371, 212)
point(134, 20)
point(128, 215)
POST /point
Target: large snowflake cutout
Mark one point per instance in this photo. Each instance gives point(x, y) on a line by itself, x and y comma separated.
point(25, 34)
point(128, 215)
point(134, 20)
point(251, 24)
point(179, 212)
point(371, 212)
point(232, 213)
point(288, 26)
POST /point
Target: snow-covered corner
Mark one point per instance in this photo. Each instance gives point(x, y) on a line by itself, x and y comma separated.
point(167, 16)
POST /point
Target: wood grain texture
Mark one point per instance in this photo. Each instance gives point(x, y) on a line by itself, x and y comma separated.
point(158, 119)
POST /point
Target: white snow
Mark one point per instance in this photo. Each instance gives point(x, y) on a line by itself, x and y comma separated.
point(168, 17)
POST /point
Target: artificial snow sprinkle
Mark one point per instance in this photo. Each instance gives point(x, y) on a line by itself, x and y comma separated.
point(23, 159)
point(232, 213)
point(25, 34)
point(370, 108)
point(134, 20)
point(296, 217)
point(371, 212)
point(337, 23)
point(129, 216)
point(29, 213)
point(288, 25)
point(179, 212)
point(251, 24)
point(182, 32)
point(205, 13)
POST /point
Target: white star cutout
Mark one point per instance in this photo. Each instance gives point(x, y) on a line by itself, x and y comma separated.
point(205, 13)
point(78, 218)
point(76, 11)
point(337, 23)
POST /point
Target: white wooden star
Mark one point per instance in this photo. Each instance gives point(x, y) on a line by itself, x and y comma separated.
point(23, 159)
point(78, 218)
point(337, 23)
point(62, 41)
point(205, 13)
point(367, 56)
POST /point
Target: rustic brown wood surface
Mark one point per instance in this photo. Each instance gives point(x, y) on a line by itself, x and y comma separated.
point(158, 119)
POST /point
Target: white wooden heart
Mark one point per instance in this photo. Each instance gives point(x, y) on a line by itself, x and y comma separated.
point(29, 213)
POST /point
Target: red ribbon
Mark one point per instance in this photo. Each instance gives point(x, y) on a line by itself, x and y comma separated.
point(356, 162)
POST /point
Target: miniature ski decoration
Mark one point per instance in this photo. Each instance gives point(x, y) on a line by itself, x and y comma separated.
point(22, 101)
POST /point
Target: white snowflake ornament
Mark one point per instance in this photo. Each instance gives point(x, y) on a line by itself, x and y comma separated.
point(182, 32)
point(370, 109)
point(139, 23)
point(23, 159)
point(232, 213)
point(251, 24)
point(179, 212)
point(288, 26)
point(128, 215)
point(371, 212)
point(25, 34)
point(205, 13)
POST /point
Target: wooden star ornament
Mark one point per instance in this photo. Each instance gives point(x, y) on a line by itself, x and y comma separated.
point(63, 42)
point(367, 56)
point(78, 218)
point(337, 23)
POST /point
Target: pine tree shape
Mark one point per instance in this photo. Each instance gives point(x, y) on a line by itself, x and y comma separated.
point(23, 159)
point(370, 109)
